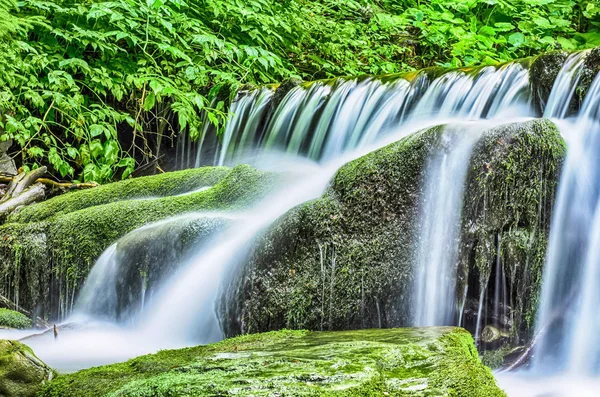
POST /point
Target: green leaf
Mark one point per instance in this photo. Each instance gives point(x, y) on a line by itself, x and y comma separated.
point(149, 101)
point(516, 39)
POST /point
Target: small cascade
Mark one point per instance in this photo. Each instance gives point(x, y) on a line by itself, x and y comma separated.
point(564, 86)
point(183, 311)
point(568, 321)
point(324, 119)
point(434, 291)
point(128, 273)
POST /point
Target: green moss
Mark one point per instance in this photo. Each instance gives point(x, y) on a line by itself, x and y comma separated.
point(13, 319)
point(65, 246)
point(395, 362)
point(22, 374)
point(510, 194)
point(342, 261)
point(162, 185)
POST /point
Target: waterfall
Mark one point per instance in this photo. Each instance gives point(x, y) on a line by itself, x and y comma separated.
point(434, 292)
point(155, 293)
point(325, 119)
point(568, 320)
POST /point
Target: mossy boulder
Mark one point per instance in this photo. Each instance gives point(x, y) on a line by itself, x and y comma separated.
point(396, 362)
point(22, 374)
point(162, 185)
point(43, 262)
point(13, 319)
point(591, 68)
point(347, 259)
point(545, 68)
point(510, 192)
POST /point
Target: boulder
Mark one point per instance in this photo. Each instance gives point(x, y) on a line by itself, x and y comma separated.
point(437, 361)
point(22, 374)
point(346, 260)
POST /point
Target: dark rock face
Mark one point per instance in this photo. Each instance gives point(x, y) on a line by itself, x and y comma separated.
point(346, 260)
point(22, 374)
point(542, 74)
point(506, 220)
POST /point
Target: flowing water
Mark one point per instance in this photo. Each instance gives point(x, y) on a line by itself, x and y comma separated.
point(434, 296)
point(172, 302)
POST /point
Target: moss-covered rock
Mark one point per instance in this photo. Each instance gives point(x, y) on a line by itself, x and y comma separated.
point(346, 260)
point(395, 362)
point(506, 220)
point(342, 261)
point(162, 185)
point(591, 68)
point(22, 374)
point(13, 319)
point(43, 263)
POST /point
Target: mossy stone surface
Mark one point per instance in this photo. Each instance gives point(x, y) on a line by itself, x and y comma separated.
point(510, 192)
point(22, 374)
point(347, 259)
point(413, 362)
point(43, 263)
point(162, 185)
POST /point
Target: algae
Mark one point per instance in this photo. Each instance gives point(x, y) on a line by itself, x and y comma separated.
point(22, 374)
point(393, 362)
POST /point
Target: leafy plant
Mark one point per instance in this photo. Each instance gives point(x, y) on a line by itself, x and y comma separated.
point(13, 319)
point(93, 88)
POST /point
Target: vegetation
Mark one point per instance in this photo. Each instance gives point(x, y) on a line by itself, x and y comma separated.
point(13, 319)
point(22, 374)
point(395, 362)
point(93, 88)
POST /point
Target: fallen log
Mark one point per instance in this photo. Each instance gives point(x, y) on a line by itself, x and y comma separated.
point(34, 193)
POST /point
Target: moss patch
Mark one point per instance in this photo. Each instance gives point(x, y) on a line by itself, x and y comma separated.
point(167, 184)
point(13, 319)
point(22, 374)
point(394, 362)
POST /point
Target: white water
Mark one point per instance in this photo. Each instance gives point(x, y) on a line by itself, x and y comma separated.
point(435, 297)
point(568, 315)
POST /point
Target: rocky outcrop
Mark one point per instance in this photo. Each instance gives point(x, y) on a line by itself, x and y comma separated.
point(399, 362)
point(47, 250)
point(22, 374)
point(346, 260)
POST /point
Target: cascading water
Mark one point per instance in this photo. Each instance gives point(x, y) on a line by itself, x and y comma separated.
point(329, 121)
point(434, 296)
point(328, 118)
point(568, 317)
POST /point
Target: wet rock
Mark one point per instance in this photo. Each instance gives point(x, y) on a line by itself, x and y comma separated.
point(415, 362)
point(7, 164)
point(346, 260)
point(22, 374)
point(542, 74)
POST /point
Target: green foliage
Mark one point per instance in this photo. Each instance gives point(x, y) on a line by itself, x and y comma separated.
point(13, 319)
point(467, 32)
point(92, 88)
